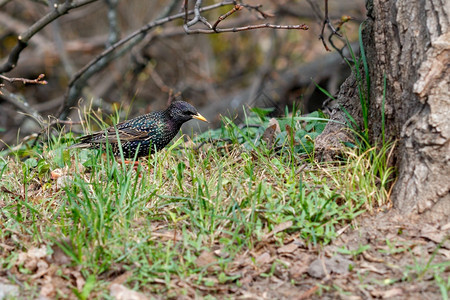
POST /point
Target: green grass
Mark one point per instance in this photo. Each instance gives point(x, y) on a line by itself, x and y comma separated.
point(155, 221)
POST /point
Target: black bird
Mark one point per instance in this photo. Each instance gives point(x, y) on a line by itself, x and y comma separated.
point(145, 133)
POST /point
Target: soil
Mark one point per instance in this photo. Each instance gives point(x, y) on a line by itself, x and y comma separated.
point(386, 256)
point(399, 262)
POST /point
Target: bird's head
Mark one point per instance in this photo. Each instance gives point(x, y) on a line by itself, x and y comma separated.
point(181, 111)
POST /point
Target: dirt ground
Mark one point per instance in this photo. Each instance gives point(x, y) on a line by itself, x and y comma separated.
point(400, 262)
point(385, 256)
point(389, 257)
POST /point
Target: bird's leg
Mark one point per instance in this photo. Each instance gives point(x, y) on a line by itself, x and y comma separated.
point(135, 164)
point(129, 162)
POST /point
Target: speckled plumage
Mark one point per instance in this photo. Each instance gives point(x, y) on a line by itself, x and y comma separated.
point(149, 132)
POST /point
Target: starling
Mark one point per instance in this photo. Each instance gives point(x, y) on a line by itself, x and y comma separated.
point(145, 133)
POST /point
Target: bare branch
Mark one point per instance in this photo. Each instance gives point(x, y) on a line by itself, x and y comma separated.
point(140, 33)
point(213, 29)
point(326, 22)
point(38, 80)
point(249, 27)
point(101, 60)
point(112, 20)
point(197, 16)
point(22, 40)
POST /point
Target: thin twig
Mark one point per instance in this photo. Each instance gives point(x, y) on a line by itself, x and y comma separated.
point(249, 27)
point(257, 8)
point(197, 16)
point(38, 80)
point(326, 21)
point(236, 8)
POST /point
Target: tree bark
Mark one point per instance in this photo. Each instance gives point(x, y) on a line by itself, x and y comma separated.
point(408, 42)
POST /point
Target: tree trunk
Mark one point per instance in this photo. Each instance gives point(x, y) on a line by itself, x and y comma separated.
point(409, 43)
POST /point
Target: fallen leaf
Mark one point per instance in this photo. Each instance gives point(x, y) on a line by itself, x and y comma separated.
point(37, 252)
point(59, 257)
point(121, 292)
point(56, 173)
point(387, 294)
point(291, 133)
point(297, 270)
point(263, 259)
point(278, 228)
point(289, 248)
point(367, 256)
point(445, 253)
point(32, 257)
point(122, 278)
point(8, 291)
point(42, 269)
point(371, 268)
point(271, 132)
point(436, 235)
point(206, 258)
point(309, 293)
point(79, 279)
point(316, 269)
point(47, 289)
point(337, 264)
point(221, 253)
point(446, 227)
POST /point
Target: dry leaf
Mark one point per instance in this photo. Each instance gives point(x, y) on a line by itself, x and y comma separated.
point(289, 248)
point(205, 259)
point(387, 294)
point(297, 270)
point(122, 278)
point(271, 132)
point(8, 291)
point(337, 264)
point(121, 292)
point(59, 257)
point(369, 257)
point(372, 268)
point(436, 235)
point(445, 253)
point(278, 228)
point(445, 227)
point(263, 259)
point(56, 173)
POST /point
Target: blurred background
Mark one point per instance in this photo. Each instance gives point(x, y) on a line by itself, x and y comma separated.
point(217, 73)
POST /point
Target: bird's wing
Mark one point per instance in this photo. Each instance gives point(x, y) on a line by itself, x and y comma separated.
point(109, 135)
point(125, 132)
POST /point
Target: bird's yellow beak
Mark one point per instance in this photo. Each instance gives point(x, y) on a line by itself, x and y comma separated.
point(200, 117)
